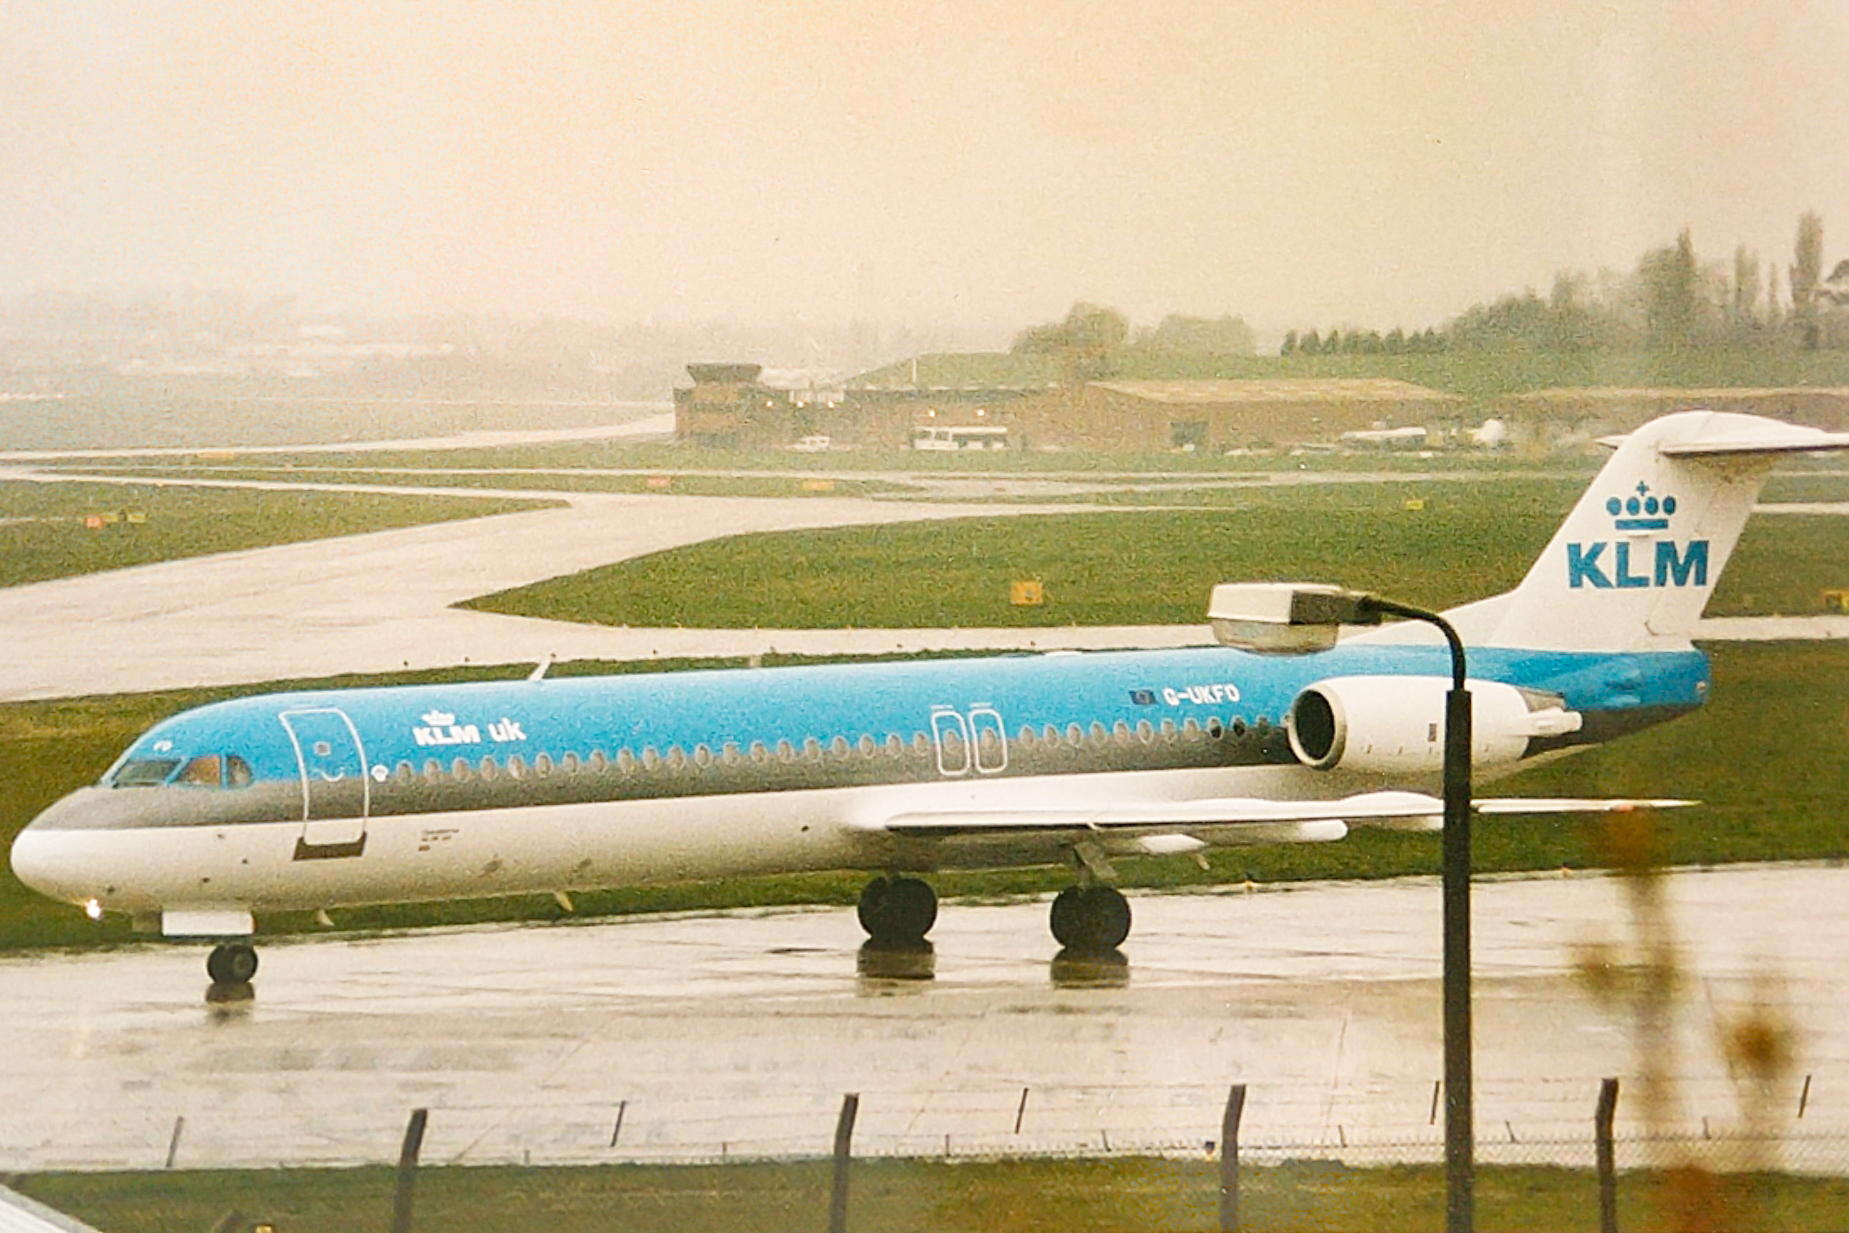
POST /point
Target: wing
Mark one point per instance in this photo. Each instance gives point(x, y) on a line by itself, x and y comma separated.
point(1231, 820)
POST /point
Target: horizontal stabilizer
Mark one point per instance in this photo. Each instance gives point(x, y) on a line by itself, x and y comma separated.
point(1361, 810)
point(1791, 440)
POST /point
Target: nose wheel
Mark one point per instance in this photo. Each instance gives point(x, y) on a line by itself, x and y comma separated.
point(232, 963)
point(1090, 918)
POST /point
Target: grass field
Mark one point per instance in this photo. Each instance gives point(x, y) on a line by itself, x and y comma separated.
point(1148, 567)
point(1127, 1195)
point(43, 533)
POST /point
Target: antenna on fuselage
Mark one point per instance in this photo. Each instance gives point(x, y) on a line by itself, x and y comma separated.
point(539, 671)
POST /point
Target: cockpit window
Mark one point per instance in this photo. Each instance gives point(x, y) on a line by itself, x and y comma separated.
point(144, 772)
point(204, 772)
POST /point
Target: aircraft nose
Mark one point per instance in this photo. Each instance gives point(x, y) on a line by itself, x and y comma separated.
point(42, 860)
point(54, 854)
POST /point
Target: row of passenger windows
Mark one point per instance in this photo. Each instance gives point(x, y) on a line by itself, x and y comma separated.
point(1072, 737)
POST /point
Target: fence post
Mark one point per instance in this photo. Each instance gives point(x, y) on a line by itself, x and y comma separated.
point(844, 1140)
point(407, 1169)
point(1607, 1155)
point(1229, 1158)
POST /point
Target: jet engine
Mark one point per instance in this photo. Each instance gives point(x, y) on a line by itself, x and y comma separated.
point(1395, 724)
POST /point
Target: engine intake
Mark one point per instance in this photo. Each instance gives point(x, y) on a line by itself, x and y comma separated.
point(1395, 724)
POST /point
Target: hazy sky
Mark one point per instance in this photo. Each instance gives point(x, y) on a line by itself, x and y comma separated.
point(1303, 163)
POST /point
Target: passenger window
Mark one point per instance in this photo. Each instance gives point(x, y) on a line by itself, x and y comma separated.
point(203, 772)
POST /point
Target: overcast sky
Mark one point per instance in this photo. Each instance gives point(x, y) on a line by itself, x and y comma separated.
point(961, 161)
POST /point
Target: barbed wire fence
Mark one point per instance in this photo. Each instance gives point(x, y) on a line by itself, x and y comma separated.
point(1233, 1128)
point(1383, 1122)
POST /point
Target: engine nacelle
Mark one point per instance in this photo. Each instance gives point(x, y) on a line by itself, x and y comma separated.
point(1395, 724)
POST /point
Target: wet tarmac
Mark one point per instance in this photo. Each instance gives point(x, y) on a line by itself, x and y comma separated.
point(699, 1037)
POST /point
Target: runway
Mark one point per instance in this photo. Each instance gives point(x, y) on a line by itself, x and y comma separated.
point(702, 1037)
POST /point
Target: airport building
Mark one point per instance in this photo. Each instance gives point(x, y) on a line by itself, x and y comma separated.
point(1000, 400)
point(985, 401)
point(1220, 415)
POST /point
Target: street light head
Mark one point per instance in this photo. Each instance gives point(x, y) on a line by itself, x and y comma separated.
point(1286, 618)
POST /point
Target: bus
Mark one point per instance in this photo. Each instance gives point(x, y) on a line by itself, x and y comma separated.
point(960, 437)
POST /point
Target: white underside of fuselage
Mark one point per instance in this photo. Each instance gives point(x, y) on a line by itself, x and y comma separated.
point(257, 867)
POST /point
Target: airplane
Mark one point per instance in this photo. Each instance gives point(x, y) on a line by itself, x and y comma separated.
point(321, 799)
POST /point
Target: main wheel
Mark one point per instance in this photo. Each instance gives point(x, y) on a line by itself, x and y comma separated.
point(232, 963)
point(897, 909)
point(1090, 918)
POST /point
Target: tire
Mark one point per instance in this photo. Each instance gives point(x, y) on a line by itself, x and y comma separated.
point(897, 909)
point(232, 963)
point(1090, 918)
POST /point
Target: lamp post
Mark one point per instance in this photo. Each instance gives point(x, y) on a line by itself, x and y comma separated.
point(1293, 617)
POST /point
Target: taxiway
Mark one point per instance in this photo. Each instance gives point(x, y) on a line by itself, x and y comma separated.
point(738, 1034)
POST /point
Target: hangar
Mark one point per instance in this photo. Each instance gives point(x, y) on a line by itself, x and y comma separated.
point(1043, 406)
point(1219, 415)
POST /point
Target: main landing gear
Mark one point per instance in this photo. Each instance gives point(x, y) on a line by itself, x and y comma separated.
point(1088, 918)
point(897, 911)
point(232, 963)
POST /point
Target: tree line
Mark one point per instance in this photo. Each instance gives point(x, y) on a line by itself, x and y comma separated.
point(1672, 300)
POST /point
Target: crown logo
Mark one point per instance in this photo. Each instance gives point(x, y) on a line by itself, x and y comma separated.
point(439, 719)
point(1642, 511)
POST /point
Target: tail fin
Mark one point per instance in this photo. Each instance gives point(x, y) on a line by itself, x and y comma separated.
point(1633, 565)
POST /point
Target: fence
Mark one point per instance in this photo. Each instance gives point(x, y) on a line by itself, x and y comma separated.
point(1237, 1134)
point(1598, 1139)
point(1360, 1123)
